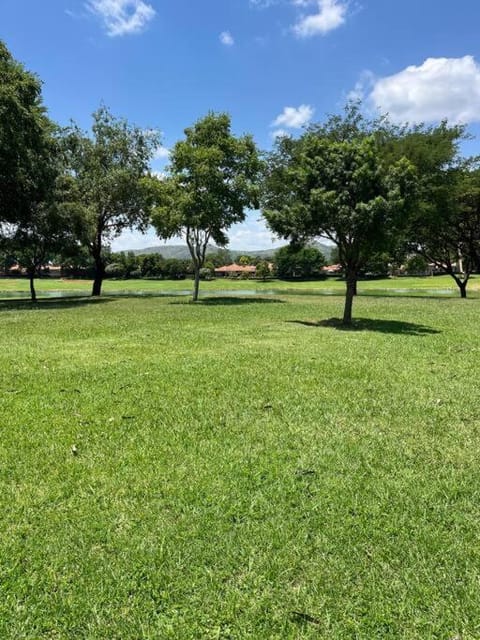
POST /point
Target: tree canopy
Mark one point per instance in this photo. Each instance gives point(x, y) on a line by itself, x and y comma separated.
point(299, 262)
point(111, 168)
point(212, 179)
point(333, 182)
point(446, 232)
point(25, 140)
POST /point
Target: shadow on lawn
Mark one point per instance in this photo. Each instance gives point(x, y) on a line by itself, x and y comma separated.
point(220, 301)
point(369, 324)
point(50, 303)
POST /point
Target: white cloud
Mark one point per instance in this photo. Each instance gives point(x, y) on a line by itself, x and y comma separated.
point(161, 175)
point(280, 133)
point(226, 38)
point(331, 14)
point(122, 17)
point(365, 83)
point(131, 240)
point(161, 153)
point(437, 89)
point(294, 118)
point(252, 235)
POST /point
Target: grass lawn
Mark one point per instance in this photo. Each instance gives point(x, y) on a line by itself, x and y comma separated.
point(239, 471)
point(439, 285)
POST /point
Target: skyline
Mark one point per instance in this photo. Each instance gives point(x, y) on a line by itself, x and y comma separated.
point(274, 65)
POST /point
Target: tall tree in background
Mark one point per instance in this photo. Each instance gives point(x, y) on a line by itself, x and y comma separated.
point(26, 141)
point(299, 262)
point(333, 182)
point(111, 169)
point(212, 180)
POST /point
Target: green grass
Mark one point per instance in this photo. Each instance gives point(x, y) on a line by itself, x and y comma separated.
point(242, 470)
point(439, 285)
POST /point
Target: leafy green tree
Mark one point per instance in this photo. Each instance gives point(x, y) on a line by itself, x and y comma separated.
point(115, 270)
point(293, 261)
point(244, 261)
point(377, 266)
point(152, 265)
point(128, 261)
point(263, 270)
point(212, 180)
point(26, 141)
point(333, 183)
point(446, 231)
point(417, 266)
point(111, 169)
point(7, 259)
point(51, 231)
point(220, 258)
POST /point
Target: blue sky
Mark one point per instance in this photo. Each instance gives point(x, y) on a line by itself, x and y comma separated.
point(272, 64)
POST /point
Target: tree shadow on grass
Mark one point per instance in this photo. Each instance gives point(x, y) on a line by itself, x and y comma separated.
point(50, 303)
point(221, 301)
point(370, 324)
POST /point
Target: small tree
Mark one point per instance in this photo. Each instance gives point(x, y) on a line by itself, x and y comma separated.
point(212, 180)
point(263, 270)
point(110, 168)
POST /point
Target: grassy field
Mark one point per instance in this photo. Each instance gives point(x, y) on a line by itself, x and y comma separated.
point(234, 469)
point(439, 285)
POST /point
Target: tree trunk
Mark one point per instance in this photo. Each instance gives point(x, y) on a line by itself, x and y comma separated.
point(196, 285)
point(355, 290)
point(461, 284)
point(33, 293)
point(463, 288)
point(350, 293)
point(99, 275)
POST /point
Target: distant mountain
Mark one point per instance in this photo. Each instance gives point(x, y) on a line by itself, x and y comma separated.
point(180, 251)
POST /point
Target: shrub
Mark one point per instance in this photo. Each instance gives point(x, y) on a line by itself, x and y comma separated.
point(115, 270)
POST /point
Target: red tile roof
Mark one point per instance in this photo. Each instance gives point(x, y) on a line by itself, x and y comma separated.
point(236, 268)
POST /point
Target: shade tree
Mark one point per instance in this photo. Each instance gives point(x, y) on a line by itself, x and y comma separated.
point(211, 181)
point(446, 232)
point(26, 138)
point(333, 183)
point(111, 168)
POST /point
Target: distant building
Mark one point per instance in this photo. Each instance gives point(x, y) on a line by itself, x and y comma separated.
point(235, 270)
point(332, 269)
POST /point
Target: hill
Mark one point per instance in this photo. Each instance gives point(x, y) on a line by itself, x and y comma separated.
point(180, 252)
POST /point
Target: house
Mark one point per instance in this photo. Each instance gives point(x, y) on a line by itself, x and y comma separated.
point(236, 270)
point(332, 269)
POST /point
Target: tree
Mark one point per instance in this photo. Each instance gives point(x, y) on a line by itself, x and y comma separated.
point(446, 231)
point(417, 266)
point(212, 180)
point(244, 261)
point(333, 182)
point(299, 262)
point(111, 169)
point(263, 270)
point(25, 140)
point(220, 257)
point(378, 265)
point(50, 231)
